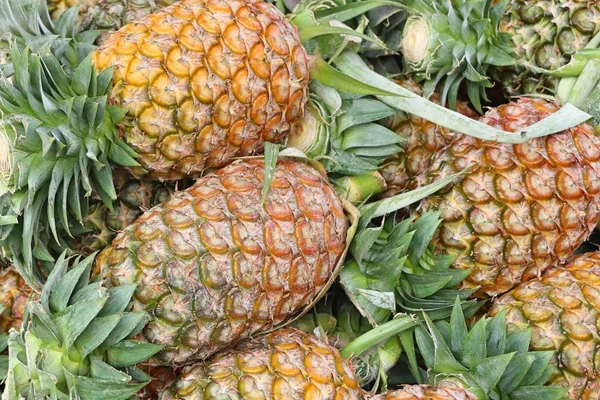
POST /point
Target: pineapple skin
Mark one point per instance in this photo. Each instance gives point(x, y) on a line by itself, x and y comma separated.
point(284, 364)
point(520, 209)
point(545, 33)
point(106, 15)
point(214, 267)
point(563, 310)
point(134, 196)
point(403, 171)
point(112, 15)
point(425, 392)
point(205, 81)
point(14, 295)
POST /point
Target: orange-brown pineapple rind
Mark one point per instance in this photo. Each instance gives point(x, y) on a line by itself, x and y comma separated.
point(214, 266)
point(285, 364)
point(563, 310)
point(204, 82)
point(520, 209)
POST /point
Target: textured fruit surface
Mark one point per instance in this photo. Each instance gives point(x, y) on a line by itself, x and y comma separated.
point(214, 266)
point(425, 392)
point(111, 15)
point(563, 309)
point(134, 196)
point(403, 171)
point(14, 294)
point(545, 33)
point(205, 81)
point(519, 209)
point(285, 364)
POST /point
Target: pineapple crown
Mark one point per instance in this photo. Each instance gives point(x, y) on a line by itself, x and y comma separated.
point(485, 359)
point(76, 342)
point(27, 23)
point(393, 269)
point(62, 137)
point(446, 42)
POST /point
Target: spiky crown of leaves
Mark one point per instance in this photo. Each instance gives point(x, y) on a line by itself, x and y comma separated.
point(446, 42)
point(27, 23)
point(393, 269)
point(485, 359)
point(76, 342)
point(62, 135)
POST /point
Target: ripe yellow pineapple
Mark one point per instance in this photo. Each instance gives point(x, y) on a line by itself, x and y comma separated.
point(285, 364)
point(562, 308)
point(519, 209)
point(215, 266)
point(205, 81)
point(425, 392)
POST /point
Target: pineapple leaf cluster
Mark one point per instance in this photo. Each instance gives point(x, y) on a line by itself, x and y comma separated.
point(446, 42)
point(484, 358)
point(341, 131)
point(393, 269)
point(62, 136)
point(27, 23)
point(78, 340)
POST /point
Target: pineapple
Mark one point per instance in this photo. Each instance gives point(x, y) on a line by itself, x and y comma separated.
point(518, 209)
point(14, 294)
point(545, 34)
point(561, 308)
point(486, 359)
point(205, 81)
point(425, 392)
point(235, 76)
point(92, 352)
point(403, 170)
point(285, 364)
point(214, 266)
point(447, 41)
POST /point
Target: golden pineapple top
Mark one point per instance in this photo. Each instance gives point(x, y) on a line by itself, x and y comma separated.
point(214, 266)
point(205, 81)
point(285, 364)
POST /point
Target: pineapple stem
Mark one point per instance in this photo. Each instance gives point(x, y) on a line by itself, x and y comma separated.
point(401, 323)
point(417, 41)
point(358, 189)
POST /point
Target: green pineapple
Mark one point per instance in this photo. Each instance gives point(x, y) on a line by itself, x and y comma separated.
point(515, 42)
point(544, 34)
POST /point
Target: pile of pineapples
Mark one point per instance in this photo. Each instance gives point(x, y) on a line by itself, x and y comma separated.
point(314, 199)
